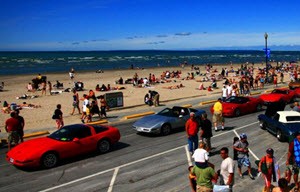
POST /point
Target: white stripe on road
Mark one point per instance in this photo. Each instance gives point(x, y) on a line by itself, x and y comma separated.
point(131, 163)
point(113, 180)
point(188, 156)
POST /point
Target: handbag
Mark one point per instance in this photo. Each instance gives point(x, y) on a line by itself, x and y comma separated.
point(263, 166)
point(221, 188)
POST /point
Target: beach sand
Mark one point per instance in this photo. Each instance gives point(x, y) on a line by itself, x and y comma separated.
point(40, 118)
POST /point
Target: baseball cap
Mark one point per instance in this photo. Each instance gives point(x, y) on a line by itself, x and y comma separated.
point(243, 136)
point(270, 151)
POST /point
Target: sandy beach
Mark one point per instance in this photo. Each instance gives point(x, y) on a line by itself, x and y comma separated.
point(40, 118)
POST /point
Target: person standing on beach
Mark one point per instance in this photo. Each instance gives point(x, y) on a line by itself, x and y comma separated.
point(84, 106)
point(103, 106)
point(71, 73)
point(154, 96)
point(50, 87)
point(191, 129)
point(21, 125)
point(44, 88)
point(75, 102)
point(58, 116)
point(11, 127)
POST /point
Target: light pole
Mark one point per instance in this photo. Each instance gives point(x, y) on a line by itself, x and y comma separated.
point(266, 47)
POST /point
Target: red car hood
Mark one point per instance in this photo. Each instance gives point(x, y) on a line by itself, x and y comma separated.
point(271, 97)
point(31, 149)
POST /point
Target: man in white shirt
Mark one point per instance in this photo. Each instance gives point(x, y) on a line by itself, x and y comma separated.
point(229, 90)
point(226, 169)
point(224, 93)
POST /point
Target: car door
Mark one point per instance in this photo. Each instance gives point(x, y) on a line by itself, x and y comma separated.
point(244, 105)
point(183, 117)
point(83, 137)
point(273, 123)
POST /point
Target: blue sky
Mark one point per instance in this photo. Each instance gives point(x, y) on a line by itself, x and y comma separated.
point(146, 24)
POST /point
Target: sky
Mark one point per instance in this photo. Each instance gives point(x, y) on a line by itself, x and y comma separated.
point(52, 25)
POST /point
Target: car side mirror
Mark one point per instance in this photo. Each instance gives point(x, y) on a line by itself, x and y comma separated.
point(76, 140)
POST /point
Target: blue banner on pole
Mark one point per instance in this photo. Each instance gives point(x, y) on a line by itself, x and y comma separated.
point(267, 52)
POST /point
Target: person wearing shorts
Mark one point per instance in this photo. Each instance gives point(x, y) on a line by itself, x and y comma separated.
point(206, 131)
point(11, 127)
point(243, 157)
point(217, 116)
point(292, 167)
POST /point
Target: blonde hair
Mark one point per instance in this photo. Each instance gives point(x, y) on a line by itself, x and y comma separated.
point(202, 145)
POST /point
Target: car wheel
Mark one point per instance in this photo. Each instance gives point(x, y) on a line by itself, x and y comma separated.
point(103, 146)
point(49, 160)
point(262, 125)
point(279, 135)
point(165, 129)
point(259, 107)
point(237, 112)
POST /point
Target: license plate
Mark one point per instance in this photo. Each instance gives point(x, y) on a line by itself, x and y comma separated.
point(11, 160)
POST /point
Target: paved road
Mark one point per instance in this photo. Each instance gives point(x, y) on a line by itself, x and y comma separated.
point(143, 163)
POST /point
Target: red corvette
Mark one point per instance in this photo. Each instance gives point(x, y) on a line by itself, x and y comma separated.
point(297, 92)
point(69, 141)
point(280, 94)
point(236, 106)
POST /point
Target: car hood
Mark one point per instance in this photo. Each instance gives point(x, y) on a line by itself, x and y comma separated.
point(31, 148)
point(150, 121)
point(271, 97)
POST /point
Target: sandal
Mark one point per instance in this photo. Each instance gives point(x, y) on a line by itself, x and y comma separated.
point(296, 189)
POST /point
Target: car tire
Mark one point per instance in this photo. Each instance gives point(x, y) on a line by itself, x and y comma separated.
point(165, 130)
point(259, 107)
point(103, 146)
point(49, 160)
point(262, 125)
point(279, 135)
point(237, 112)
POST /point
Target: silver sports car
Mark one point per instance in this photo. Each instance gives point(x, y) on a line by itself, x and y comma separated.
point(164, 121)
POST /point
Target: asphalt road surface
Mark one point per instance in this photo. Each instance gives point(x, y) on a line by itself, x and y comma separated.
point(144, 162)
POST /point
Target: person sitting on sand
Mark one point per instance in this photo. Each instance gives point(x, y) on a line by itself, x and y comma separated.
point(147, 100)
point(97, 87)
point(6, 108)
point(29, 105)
point(103, 88)
point(30, 87)
point(209, 89)
point(201, 86)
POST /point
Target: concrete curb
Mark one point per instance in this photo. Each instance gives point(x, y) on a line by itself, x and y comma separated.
point(207, 102)
point(139, 115)
point(27, 136)
point(187, 105)
point(255, 93)
point(97, 122)
point(35, 134)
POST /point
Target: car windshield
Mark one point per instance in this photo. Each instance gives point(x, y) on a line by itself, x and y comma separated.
point(236, 100)
point(68, 133)
point(167, 112)
point(278, 91)
point(292, 119)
